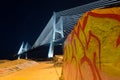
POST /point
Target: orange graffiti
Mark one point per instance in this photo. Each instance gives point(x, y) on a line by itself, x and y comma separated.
point(85, 47)
point(118, 41)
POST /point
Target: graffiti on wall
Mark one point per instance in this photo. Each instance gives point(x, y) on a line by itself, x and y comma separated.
point(92, 49)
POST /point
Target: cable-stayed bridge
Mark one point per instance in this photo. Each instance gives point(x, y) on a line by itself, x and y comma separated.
point(61, 23)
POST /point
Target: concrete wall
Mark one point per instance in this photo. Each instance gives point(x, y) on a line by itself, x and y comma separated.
point(92, 49)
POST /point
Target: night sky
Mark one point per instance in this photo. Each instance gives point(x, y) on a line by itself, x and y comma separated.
point(23, 20)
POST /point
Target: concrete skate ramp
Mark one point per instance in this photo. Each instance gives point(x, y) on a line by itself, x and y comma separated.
point(10, 67)
point(29, 70)
point(92, 49)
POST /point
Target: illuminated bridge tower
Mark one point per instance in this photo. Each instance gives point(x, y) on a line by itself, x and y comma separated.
point(57, 29)
point(23, 49)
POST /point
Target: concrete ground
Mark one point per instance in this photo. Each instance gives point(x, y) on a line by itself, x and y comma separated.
point(29, 70)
